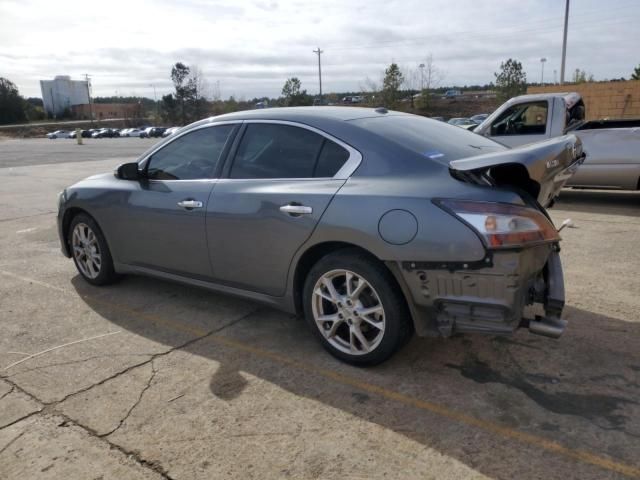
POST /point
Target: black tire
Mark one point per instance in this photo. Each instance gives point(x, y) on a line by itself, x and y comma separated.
point(398, 325)
point(106, 273)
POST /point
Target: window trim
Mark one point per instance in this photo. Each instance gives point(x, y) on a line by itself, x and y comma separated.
point(347, 169)
point(142, 163)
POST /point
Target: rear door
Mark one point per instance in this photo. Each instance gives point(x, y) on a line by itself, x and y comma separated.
point(277, 186)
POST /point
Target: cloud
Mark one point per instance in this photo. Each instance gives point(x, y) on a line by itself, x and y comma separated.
point(252, 46)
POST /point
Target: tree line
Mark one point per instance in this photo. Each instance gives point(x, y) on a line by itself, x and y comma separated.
point(194, 98)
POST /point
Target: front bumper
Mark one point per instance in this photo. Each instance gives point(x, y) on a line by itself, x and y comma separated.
point(64, 246)
point(486, 297)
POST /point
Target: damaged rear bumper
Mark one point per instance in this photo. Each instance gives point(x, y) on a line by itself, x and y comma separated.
point(486, 297)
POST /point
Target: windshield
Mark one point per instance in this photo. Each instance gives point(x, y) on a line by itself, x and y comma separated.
point(432, 139)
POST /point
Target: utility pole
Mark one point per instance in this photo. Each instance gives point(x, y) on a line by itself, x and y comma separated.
point(88, 79)
point(542, 61)
point(319, 52)
point(564, 41)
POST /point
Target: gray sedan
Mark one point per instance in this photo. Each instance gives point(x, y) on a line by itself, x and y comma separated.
point(370, 224)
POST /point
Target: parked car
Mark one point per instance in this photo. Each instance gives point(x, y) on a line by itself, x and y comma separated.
point(133, 132)
point(156, 132)
point(369, 223)
point(170, 131)
point(460, 122)
point(452, 94)
point(58, 134)
point(440, 119)
point(612, 146)
point(479, 118)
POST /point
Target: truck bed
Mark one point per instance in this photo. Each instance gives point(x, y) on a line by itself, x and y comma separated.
point(606, 124)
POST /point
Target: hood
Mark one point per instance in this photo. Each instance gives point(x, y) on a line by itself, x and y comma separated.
point(541, 169)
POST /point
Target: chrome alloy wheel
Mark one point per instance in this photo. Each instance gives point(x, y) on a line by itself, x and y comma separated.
point(348, 312)
point(86, 250)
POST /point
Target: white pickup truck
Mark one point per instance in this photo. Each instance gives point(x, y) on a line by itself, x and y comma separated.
point(612, 146)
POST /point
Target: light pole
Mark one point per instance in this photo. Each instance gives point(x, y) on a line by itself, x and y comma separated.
point(319, 52)
point(88, 79)
point(155, 100)
point(564, 42)
point(542, 62)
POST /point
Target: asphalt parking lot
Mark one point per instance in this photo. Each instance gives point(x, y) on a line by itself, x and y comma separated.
point(148, 379)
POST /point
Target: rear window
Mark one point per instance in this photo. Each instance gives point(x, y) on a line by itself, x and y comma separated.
point(430, 138)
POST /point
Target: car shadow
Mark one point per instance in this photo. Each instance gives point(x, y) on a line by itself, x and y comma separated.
point(612, 202)
point(582, 391)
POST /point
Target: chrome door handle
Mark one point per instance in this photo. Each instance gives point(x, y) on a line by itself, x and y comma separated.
point(190, 204)
point(296, 209)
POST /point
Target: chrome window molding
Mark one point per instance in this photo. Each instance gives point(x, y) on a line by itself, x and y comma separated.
point(349, 167)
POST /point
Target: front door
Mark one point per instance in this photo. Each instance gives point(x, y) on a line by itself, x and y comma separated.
point(521, 124)
point(279, 184)
point(162, 220)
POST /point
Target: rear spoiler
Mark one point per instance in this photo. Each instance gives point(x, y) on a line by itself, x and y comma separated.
point(541, 168)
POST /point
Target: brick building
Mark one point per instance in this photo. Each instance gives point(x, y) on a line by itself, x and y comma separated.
point(603, 99)
point(102, 111)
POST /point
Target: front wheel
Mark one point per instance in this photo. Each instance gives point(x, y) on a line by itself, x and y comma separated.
point(90, 251)
point(353, 306)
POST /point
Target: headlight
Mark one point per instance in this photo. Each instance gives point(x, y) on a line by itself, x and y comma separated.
point(62, 197)
point(502, 225)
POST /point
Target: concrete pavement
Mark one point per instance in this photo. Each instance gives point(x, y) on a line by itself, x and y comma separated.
point(183, 383)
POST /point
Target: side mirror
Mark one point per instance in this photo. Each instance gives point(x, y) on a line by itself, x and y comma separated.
point(128, 171)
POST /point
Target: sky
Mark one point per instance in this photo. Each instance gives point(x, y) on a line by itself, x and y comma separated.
point(248, 48)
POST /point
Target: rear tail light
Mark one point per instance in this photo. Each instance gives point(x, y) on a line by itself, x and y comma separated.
point(502, 225)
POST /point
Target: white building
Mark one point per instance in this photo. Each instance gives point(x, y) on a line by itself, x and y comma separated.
point(62, 92)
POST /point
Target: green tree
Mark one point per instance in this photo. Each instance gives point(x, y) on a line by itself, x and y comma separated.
point(184, 88)
point(581, 76)
point(12, 105)
point(293, 94)
point(391, 83)
point(170, 109)
point(636, 73)
point(511, 81)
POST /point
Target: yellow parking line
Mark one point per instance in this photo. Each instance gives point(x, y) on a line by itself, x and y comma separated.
point(446, 412)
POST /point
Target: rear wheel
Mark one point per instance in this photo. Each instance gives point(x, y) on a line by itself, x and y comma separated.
point(352, 304)
point(90, 251)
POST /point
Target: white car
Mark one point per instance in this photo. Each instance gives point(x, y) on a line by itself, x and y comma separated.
point(58, 134)
point(170, 131)
point(131, 132)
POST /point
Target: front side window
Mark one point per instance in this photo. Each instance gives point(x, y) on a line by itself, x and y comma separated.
point(194, 155)
point(522, 119)
point(276, 151)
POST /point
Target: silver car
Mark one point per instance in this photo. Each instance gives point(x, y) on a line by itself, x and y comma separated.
point(370, 224)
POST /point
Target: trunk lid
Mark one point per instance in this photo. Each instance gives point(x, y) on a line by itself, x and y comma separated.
point(541, 169)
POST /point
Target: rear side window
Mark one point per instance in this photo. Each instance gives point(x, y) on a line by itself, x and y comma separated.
point(279, 151)
point(194, 155)
point(332, 158)
point(430, 138)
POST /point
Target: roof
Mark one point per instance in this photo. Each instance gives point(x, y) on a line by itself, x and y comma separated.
point(570, 98)
point(308, 115)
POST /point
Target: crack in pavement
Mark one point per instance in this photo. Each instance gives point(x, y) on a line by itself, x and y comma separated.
point(137, 402)
point(8, 393)
point(49, 408)
point(11, 442)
